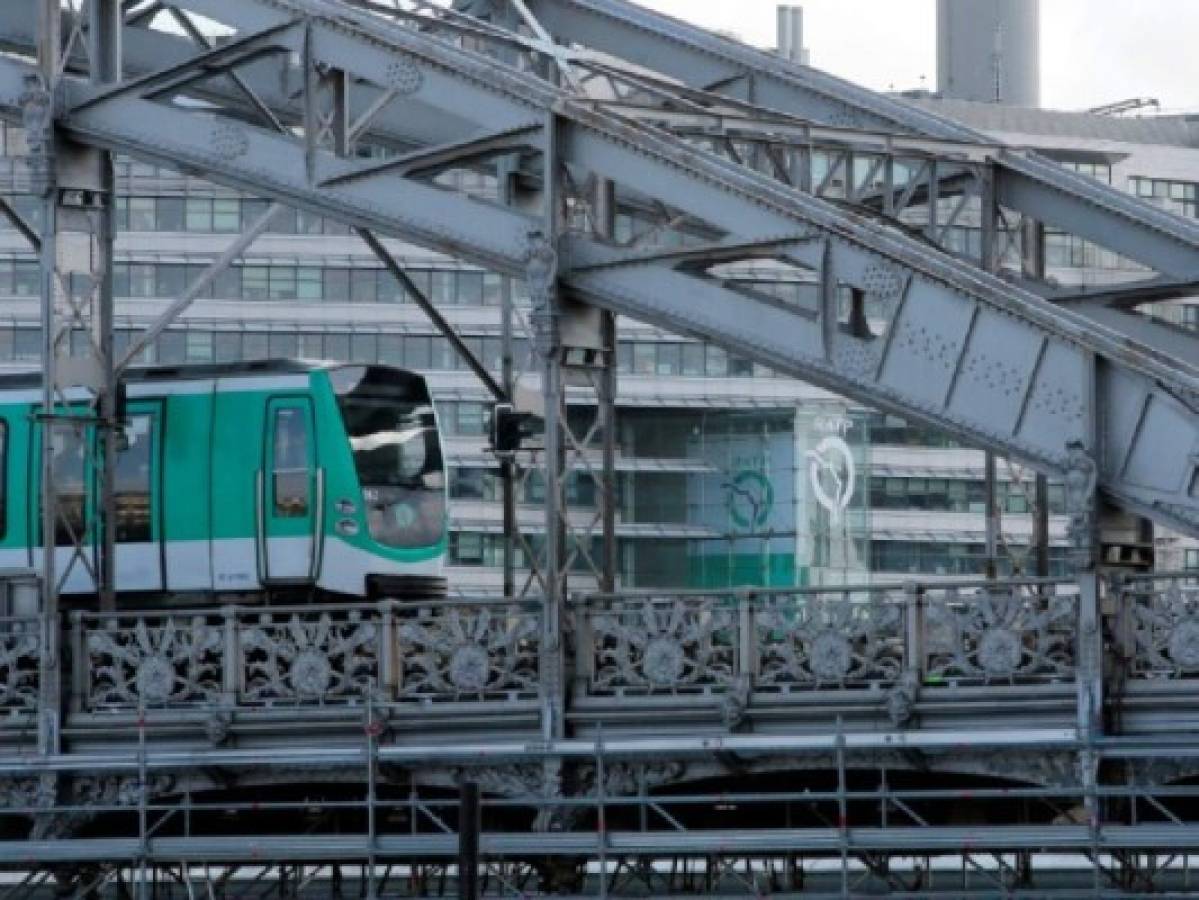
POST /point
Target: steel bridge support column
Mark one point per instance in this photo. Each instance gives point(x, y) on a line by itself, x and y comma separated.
point(509, 470)
point(1033, 257)
point(76, 186)
point(605, 226)
point(542, 279)
point(990, 262)
point(1082, 503)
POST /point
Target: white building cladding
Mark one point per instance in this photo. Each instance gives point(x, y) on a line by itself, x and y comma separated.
point(727, 473)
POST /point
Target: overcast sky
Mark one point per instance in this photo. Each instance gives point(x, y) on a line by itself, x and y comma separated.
point(1093, 51)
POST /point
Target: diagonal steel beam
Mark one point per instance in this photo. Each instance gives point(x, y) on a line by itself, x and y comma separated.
point(18, 222)
point(219, 265)
point(235, 53)
point(200, 40)
point(439, 321)
point(431, 159)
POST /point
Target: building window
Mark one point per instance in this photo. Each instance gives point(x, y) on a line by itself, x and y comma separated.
point(283, 345)
point(1191, 560)
point(1181, 197)
point(141, 214)
point(170, 281)
point(254, 345)
point(1097, 170)
point(255, 282)
point(226, 215)
point(337, 347)
point(466, 548)
point(169, 214)
point(27, 344)
point(364, 347)
point(172, 347)
point(337, 285)
point(27, 278)
point(226, 346)
point(364, 285)
point(309, 284)
point(474, 484)
point(197, 214)
point(199, 346)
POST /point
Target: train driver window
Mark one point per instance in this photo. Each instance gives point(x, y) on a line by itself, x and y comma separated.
point(291, 462)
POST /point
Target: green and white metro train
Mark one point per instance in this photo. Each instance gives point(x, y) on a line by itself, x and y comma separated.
point(274, 478)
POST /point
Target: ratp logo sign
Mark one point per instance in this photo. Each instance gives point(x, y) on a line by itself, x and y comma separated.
point(831, 469)
point(750, 499)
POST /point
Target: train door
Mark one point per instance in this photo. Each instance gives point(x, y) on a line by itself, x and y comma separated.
point(289, 493)
point(138, 539)
point(71, 458)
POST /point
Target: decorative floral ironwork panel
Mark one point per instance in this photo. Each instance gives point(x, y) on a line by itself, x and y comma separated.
point(1165, 621)
point(20, 650)
point(664, 646)
point(153, 661)
point(1008, 633)
point(476, 652)
point(309, 657)
point(816, 641)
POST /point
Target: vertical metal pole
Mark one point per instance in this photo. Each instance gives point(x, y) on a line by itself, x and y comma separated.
point(104, 35)
point(1033, 255)
point(990, 262)
point(39, 113)
point(468, 840)
point(605, 222)
point(508, 469)
point(373, 730)
point(993, 524)
point(542, 275)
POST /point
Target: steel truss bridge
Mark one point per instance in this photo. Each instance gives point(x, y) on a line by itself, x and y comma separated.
point(1026, 737)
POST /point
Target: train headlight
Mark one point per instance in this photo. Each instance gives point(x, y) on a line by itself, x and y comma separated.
point(347, 527)
point(404, 514)
point(346, 507)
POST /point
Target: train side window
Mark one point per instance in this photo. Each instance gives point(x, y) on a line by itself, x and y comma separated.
point(69, 449)
point(290, 462)
point(134, 461)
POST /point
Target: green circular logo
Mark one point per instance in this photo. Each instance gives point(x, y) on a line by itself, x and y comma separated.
point(750, 499)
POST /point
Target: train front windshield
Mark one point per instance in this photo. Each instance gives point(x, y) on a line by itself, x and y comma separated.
point(393, 435)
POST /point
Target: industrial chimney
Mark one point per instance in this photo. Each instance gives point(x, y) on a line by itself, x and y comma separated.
point(989, 51)
point(790, 34)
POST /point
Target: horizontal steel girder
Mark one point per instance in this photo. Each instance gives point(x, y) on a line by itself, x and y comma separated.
point(961, 350)
point(305, 848)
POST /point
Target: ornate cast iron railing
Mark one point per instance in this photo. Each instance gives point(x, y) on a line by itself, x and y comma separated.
point(21, 645)
point(467, 651)
point(837, 638)
point(781, 643)
point(1159, 625)
point(333, 655)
